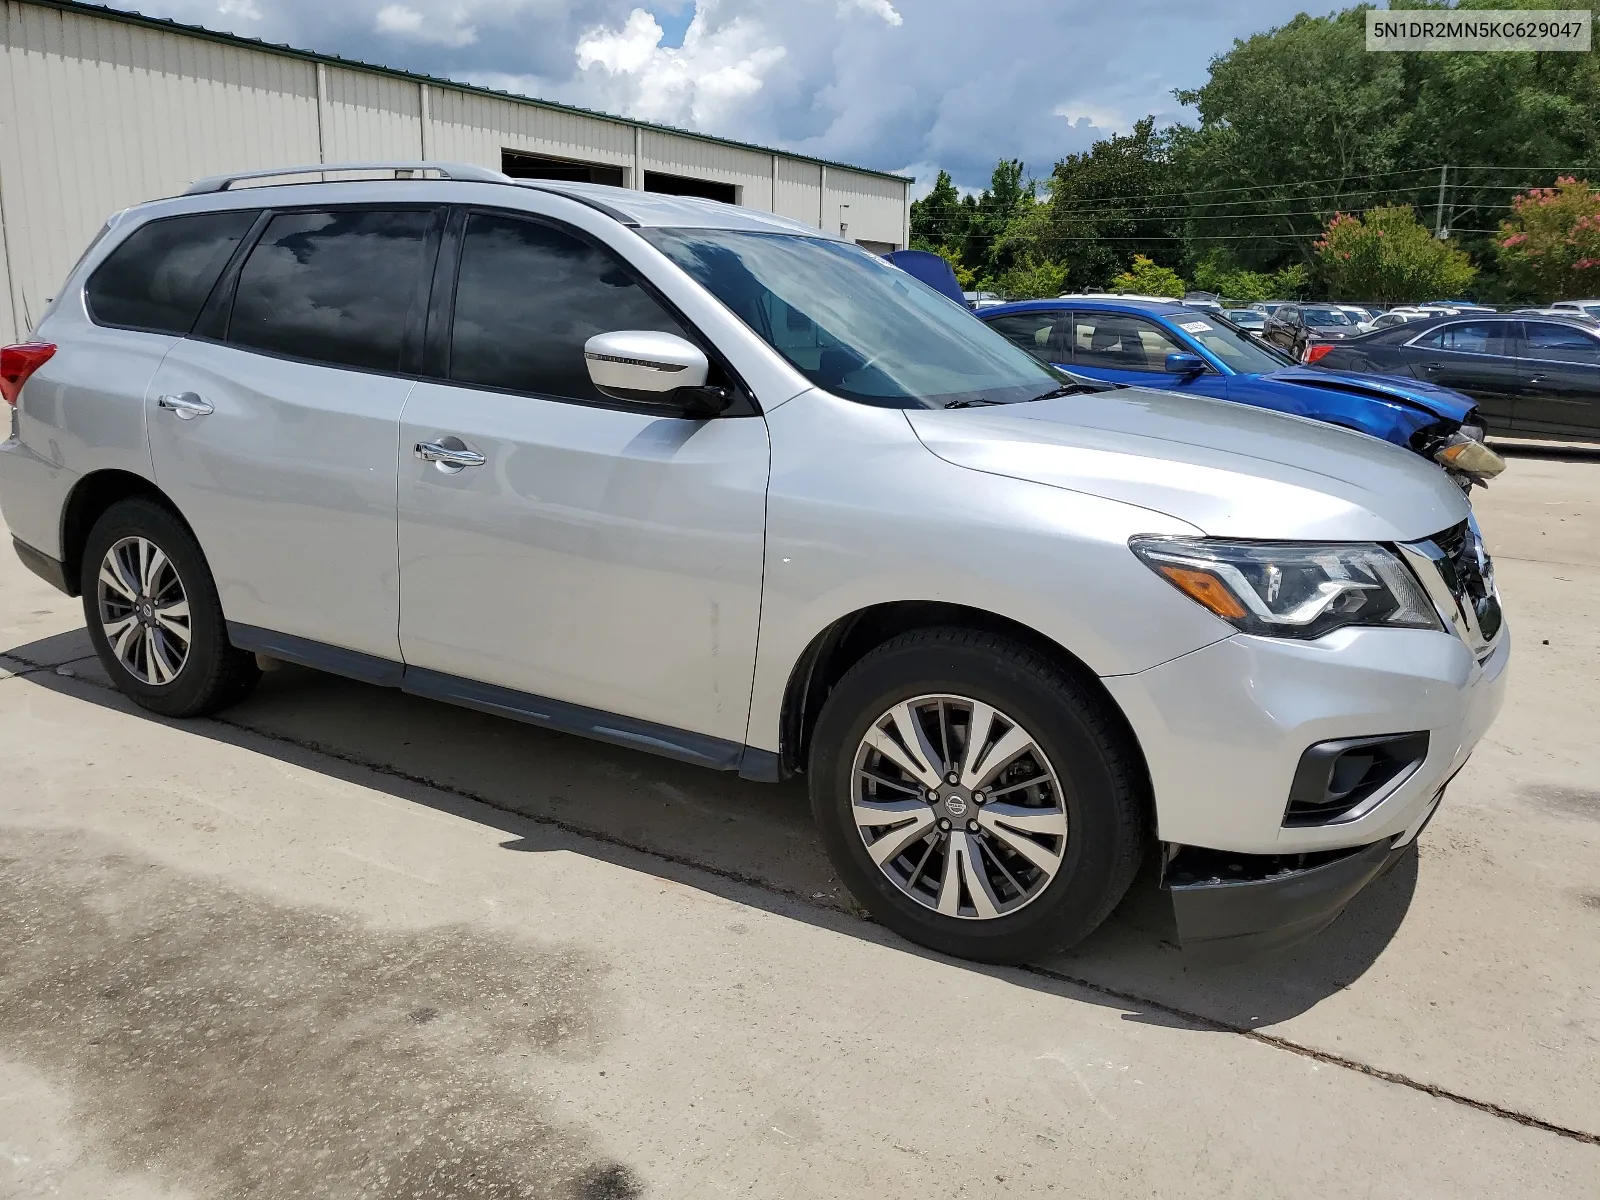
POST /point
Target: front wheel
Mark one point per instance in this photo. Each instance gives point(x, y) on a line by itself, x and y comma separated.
point(976, 798)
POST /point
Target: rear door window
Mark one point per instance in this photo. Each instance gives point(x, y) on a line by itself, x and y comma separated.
point(530, 295)
point(1476, 337)
point(1560, 343)
point(159, 277)
point(1034, 332)
point(336, 287)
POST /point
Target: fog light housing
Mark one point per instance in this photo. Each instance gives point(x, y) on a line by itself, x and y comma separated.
point(1336, 779)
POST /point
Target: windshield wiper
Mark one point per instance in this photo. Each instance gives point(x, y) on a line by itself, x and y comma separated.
point(969, 403)
point(1072, 389)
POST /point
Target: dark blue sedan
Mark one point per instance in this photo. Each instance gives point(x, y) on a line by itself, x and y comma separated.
point(1170, 346)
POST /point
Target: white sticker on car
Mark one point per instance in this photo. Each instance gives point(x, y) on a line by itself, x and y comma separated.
point(1194, 326)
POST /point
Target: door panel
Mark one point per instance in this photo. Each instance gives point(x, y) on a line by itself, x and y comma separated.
point(1559, 376)
point(1474, 357)
point(289, 484)
point(598, 556)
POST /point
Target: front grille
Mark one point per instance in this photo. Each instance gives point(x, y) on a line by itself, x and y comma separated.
point(1469, 574)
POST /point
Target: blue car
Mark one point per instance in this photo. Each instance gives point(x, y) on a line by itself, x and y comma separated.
point(1157, 344)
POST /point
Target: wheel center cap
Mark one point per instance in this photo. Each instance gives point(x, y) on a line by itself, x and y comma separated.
point(956, 804)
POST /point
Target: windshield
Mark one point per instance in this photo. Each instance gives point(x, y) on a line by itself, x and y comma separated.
point(853, 324)
point(1237, 349)
point(1326, 316)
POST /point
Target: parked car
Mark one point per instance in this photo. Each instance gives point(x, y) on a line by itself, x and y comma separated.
point(1205, 301)
point(1246, 318)
point(976, 300)
point(1268, 306)
point(1293, 327)
point(1570, 314)
point(1537, 375)
point(1359, 316)
point(1399, 316)
point(1169, 346)
point(1581, 308)
point(703, 481)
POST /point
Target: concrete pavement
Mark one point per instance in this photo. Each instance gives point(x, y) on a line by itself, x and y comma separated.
point(346, 942)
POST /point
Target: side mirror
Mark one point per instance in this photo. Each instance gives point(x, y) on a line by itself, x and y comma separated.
point(646, 367)
point(1180, 363)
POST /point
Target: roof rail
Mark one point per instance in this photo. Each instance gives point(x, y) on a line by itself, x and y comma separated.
point(465, 172)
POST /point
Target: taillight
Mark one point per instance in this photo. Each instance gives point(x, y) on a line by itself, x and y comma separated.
point(19, 362)
point(1313, 353)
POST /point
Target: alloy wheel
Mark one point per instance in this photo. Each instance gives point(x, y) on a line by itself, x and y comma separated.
point(959, 806)
point(144, 611)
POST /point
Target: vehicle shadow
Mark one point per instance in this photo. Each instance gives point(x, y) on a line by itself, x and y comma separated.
point(752, 843)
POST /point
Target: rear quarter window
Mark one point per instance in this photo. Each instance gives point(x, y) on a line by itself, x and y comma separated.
point(158, 279)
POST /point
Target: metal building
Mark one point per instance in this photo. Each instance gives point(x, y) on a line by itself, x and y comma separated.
point(101, 109)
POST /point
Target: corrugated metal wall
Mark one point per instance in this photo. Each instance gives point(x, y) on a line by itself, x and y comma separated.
point(877, 212)
point(369, 117)
point(799, 191)
point(467, 127)
point(97, 114)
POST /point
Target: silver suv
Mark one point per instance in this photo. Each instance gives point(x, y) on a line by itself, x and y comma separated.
point(701, 481)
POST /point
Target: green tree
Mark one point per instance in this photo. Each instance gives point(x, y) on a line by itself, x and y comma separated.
point(937, 219)
point(1215, 273)
point(1111, 203)
point(1549, 248)
point(1301, 122)
point(1030, 280)
point(1149, 279)
point(1387, 255)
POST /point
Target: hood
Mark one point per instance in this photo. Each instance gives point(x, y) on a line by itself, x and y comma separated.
point(1440, 401)
point(1228, 469)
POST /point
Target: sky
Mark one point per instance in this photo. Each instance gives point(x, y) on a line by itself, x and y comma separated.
point(897, 85)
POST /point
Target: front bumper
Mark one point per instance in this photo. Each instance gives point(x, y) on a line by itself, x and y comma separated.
point(1229, 907)
point(1223, 730)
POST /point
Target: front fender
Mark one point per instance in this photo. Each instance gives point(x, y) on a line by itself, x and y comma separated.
point(860, 513)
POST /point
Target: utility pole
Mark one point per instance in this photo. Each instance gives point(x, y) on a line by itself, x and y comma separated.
point(1440, 231)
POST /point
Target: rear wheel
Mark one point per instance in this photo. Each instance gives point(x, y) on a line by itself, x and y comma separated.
point(974, 797)
point(154, 616)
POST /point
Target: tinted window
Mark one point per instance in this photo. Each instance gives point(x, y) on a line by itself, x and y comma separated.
point(529, 296)
point(1560, 342)
point(1031, 331)
point(1326, 316)
point(335, 287)
point(1476, 338)
point(162, 274)
point(1120, 343)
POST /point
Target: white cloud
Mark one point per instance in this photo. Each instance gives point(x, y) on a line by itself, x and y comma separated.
point(696, 84)
point(1101, 120)
point(409, 23)
point(879, 8)
point(945, 83)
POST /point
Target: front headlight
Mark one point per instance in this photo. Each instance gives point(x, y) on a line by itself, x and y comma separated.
point(1291, 589)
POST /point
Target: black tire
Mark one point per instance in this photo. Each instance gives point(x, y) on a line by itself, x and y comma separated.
point(214, 674)
point(1102, 784)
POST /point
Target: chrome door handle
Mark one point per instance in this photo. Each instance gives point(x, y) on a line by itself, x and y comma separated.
point(446, 456)
point(1532, 379)
point(186, 405)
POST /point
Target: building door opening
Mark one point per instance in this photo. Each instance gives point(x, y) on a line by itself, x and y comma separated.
point(519, 164)
point(682, 185)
